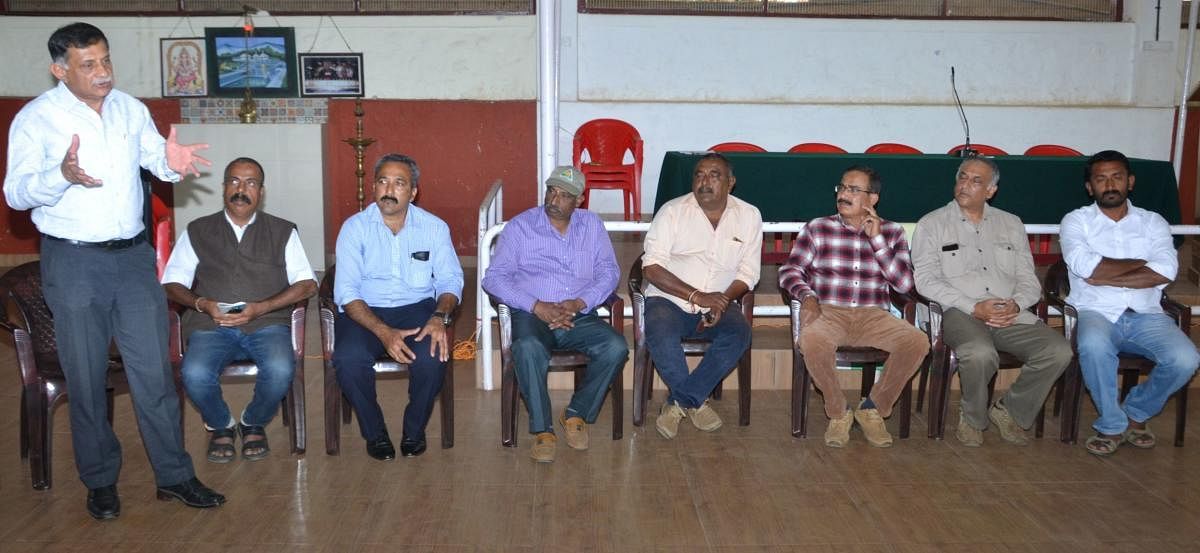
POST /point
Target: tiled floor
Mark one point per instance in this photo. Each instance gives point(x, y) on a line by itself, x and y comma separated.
point(740, 489)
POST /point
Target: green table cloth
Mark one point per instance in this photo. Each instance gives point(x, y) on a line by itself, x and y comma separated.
point(799, 187)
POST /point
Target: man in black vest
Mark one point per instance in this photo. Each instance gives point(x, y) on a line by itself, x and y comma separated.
point(239, 271)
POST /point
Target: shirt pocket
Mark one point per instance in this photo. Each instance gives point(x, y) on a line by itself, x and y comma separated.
point(728, 255)
point(1006, 258)
point(420, 273)
point(954, 263)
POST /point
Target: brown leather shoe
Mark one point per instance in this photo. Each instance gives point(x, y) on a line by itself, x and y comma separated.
point(574, 431)
point(543, 447)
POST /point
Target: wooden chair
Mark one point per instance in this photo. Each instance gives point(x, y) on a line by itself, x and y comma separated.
point(1130, 366)
point(944, 363)
point(606, 141)
point(24, 314)
point(1052, 150)
point(868, 358)
point(246, 370)
point(337, 408)
point(560, 360)
point(815, 148)
point(892, 148)
point(643, 365)
point(737, 147)
point(983, 149)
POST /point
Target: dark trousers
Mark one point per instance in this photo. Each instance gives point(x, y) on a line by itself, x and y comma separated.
point(534, 342)
point(97, 295)
point(355, 350)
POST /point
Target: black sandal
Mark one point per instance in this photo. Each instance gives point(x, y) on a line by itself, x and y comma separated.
point(221, 453)
point(260, 443)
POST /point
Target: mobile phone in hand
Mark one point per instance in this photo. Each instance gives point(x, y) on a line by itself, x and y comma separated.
point(231, 308)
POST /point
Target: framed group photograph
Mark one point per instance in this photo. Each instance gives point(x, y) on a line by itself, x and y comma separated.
point(184, 72)
point(330, 75)
point(264, 62)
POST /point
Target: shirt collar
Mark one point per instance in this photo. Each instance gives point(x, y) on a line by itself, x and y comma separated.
point(63, 96)
point(253, 217)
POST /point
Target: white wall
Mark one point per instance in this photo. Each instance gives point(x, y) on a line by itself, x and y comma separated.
point(690, 82)
point(291, 160)
point(442, 57)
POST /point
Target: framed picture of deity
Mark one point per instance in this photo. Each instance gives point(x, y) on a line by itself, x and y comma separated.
point(184, 72)
point(262, 61)
point(331, 75)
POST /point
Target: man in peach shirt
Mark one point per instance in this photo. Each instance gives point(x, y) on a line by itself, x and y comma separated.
point(702, 252)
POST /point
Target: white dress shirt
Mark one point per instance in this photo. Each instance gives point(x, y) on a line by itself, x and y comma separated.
point(181, 268)
point(1087, 235)
point(113, 145)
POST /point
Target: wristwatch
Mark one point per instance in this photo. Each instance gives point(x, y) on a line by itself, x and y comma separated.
point(447, 319)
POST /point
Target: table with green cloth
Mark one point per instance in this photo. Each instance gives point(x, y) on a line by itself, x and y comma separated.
point(799, 187)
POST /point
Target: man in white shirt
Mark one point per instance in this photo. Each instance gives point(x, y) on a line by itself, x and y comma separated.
point(74, 156)
point(1120, 258)
point(702, 251)
point(239, 272)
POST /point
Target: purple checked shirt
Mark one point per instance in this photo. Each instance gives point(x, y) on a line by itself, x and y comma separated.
point(533, 262)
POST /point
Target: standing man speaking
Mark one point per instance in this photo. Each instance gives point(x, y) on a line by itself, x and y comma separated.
point(74, 156)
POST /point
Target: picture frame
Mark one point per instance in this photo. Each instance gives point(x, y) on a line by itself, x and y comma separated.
point(184, 71)
point(331, 75)
point(265, 60)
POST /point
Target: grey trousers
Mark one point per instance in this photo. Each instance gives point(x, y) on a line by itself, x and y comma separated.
point(97, 295)
point(1044, 351)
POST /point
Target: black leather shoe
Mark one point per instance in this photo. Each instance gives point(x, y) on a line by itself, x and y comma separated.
point(192, 493)
point(412, 448)
point(104, 503)
point(381, 449)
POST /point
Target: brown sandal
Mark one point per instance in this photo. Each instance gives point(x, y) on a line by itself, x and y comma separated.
point(1102, 446)
point(1141, 438)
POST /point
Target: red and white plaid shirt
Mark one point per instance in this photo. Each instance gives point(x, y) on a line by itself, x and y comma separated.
point(841, 266)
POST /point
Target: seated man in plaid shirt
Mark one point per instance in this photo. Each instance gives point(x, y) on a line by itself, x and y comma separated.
point(841, 268)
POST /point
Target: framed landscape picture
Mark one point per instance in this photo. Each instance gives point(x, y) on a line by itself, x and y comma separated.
point(264, 62)
point(184, 72)
point(331, 75)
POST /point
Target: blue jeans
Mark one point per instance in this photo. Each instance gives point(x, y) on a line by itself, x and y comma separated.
point(1151, 335)
point(533, 342)
point(667, 325)
point(355, 350)
point(209, 351)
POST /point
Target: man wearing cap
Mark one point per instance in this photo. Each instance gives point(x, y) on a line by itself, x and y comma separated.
point(554, 265)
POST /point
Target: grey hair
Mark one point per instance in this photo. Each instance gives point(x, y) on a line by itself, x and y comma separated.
point(986, 161)
point(400, 158)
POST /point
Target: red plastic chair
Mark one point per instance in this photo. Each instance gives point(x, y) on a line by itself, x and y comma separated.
point(983, 149)
point(892, 148)
point(1052, 150)
point(737, 147)
point(816, 148)
point(606, 141)
point(164, 232)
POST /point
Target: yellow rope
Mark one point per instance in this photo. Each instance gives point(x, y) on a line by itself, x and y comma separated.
point(465, 349)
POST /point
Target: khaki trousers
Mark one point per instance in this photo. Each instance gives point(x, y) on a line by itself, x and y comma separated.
point(862, 326)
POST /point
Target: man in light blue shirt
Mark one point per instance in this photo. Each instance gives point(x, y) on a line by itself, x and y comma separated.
point(1120, 258)
point(74, 158)
point(397, 282)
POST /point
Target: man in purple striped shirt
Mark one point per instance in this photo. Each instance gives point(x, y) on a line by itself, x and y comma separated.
point(554, 265)
point(841, 269)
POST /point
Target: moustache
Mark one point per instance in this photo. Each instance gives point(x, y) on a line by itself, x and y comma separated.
point(389, 199)
point(102, 82)
point(845, 202)
point(239, 198)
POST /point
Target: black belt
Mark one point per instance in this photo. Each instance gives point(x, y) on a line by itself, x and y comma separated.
point(105, 245)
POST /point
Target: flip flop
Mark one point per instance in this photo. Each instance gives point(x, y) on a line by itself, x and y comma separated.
point(1101, 446)
point(1140, 438)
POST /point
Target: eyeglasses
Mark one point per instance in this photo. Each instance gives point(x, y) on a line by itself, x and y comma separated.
point(851, 189)
point(248, 183)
